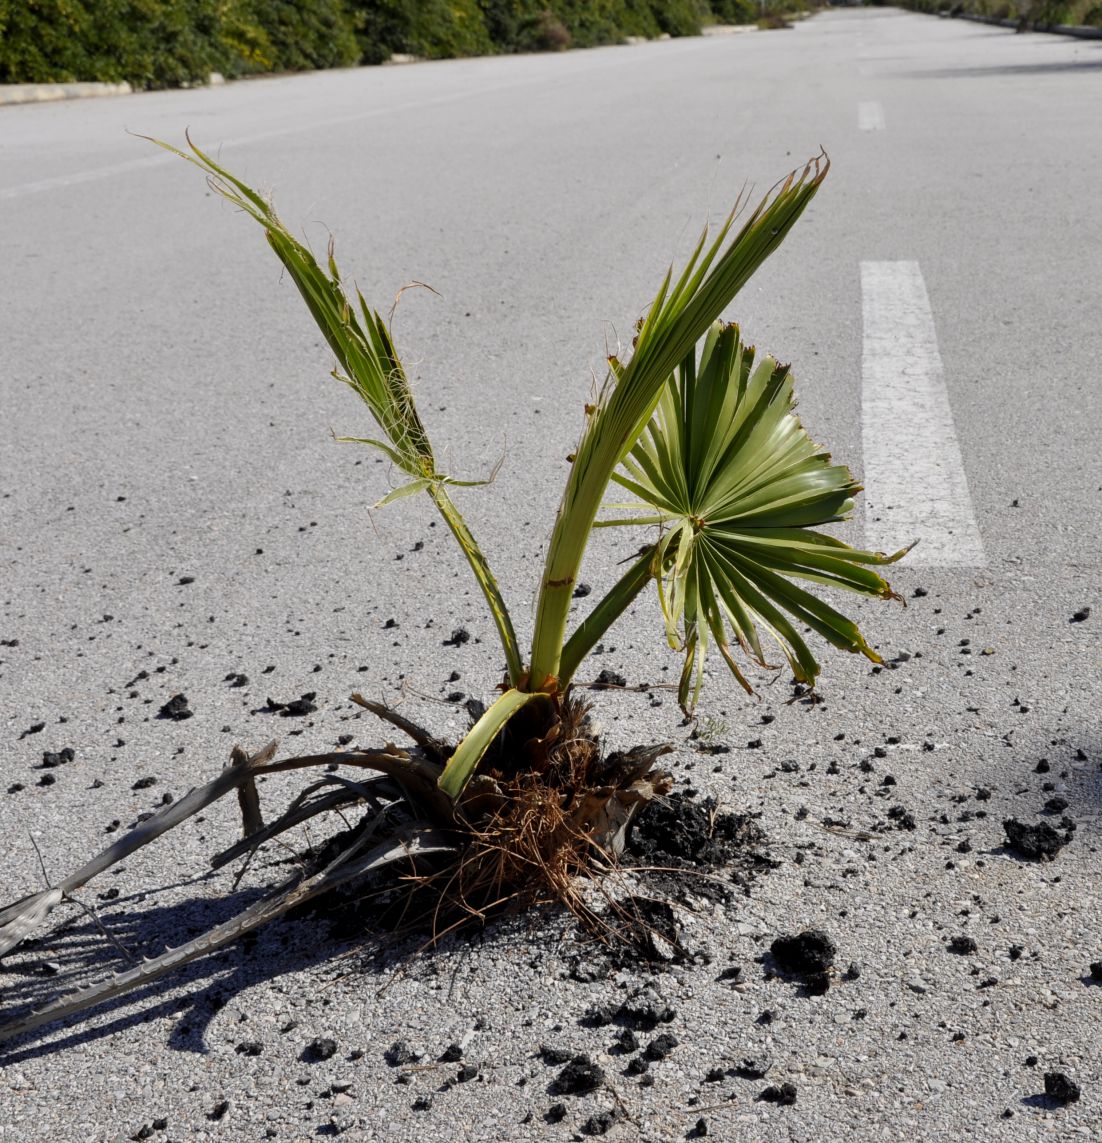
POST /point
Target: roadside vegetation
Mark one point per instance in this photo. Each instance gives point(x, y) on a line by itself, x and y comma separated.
point(690, 454)
point(1034, 15)
point(169, 43)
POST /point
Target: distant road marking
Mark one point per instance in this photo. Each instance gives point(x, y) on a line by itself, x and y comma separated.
point(155, 160)
point(78, 177)
point(96, 173)
point(870, 116)
point(915, 486)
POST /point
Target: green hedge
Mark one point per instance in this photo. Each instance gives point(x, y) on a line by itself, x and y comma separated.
point(166, 43)
point(1026, 13)
point(434, 29)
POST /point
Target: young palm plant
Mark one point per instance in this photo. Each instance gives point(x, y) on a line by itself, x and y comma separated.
point(700, 433)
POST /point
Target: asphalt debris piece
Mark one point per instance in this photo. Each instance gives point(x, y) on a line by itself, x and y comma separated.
point(661, 1046)
point(753, 1067)
point(400, 1054)
point(304, 704)
point(319, 1049)
point(607, 679)
point(176, 709)
point(784, 1095)
point(1061, 1089)
point(804, 954)
point(580, 1077)
point(600, 1123)
point(1036, 842)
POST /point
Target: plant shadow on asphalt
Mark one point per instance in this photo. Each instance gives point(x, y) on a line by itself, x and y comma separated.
point(684, 852)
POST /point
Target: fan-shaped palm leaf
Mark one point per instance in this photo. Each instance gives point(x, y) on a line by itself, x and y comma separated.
point(736, 485)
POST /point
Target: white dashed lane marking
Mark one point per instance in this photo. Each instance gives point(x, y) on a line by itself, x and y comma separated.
point(870, 116)
point(915, 485)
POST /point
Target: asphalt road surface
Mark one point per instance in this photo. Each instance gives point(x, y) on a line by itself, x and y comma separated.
point(171, 502)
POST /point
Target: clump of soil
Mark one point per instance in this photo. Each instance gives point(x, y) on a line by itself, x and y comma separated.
point(680, 836)
point(1035, 842)
point(685, 833)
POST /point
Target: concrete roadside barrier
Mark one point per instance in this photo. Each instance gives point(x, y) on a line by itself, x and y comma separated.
point(11, 93)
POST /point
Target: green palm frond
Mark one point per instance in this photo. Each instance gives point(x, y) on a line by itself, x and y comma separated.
point(681, 314)
point(369, 365)
point(737, 486)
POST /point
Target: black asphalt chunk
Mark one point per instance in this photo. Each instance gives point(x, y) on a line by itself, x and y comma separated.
point(600, 1123)
point(51, 759)
point(579, 1077)
point(753, 1067)
point(176, 709)
point(805, 954)
point(608, 679)
point(962, 945)
point(661, 1046)
point(1061, 1089)
point(319, 1049)
point(781, 1094)
point(458, 637)
point(296, 707)
point(1035, 842)
point(399, 1054)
